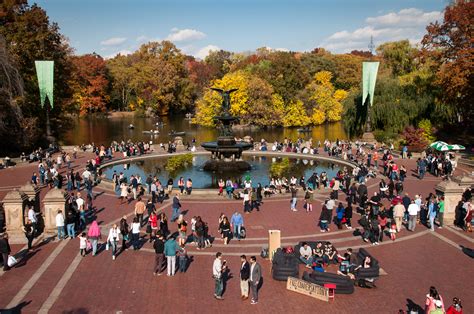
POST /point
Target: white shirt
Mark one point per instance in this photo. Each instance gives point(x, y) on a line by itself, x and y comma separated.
point(114, 233)
point(252, 266)
point(136, 227)
point(32, 215)
point(330, 204)
point(305, 252)
point(413, 209)
point(79, 202)
point(217, 268)
point(86, 174)
point(59, 220)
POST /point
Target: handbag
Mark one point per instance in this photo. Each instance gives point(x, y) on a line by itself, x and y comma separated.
point(243, 232)
point(107, 246)
point(11, 261)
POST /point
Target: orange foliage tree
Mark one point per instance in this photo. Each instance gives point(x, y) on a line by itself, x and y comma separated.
point(90, 83)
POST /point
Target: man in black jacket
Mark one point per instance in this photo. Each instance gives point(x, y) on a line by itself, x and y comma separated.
point(159, 246)
point(4, 250)
point(244, 277)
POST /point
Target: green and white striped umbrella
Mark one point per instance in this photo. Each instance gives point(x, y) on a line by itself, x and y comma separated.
point(457, 147)
point(440, 146)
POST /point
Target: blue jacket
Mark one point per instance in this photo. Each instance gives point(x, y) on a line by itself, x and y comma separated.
point(171, 247)
point(237, 220)
point(176, 203)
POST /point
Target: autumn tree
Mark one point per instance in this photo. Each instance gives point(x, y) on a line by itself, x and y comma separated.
point(326, 101)
point(450, 44)
point(219, 61)
point(254, 101)
point(30, 36)
point(91, 83)
point(121, 72)
point(295, 114)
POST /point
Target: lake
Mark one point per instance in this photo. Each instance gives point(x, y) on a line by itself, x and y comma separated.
point(104, 130)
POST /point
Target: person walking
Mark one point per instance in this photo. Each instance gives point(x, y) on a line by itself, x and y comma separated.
point(159, 246)
point(255, 276)
point(217, 272)
point(94, 235)
point(124, 231)
point(171, 247)
point(176, 206)
point(113, 238)
point(199, 230)
point(139, 210)
point(413, 210)
point(244, 277)
point(60, 225)
point(441, 212)
point(432, 213)
point(237, 222)
point(136, 233)
point(5, 250)
point(293, 191)
point(29, 233)
point(398, 212)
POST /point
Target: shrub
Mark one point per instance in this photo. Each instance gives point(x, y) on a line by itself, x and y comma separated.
point(177, 162)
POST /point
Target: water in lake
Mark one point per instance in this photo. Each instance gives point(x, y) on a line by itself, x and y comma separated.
point(201, 179)
point(106, 130)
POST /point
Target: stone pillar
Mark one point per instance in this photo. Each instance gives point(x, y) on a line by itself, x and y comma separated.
point(464, 181)
point(13, 207)
point(274, 242)
point(53, 201)
point(452, 193)
point(31, 194)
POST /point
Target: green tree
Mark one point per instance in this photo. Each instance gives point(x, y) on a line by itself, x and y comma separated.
point(30, 36)
point(399, 55)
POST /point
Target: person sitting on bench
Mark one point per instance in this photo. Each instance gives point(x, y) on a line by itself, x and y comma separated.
point(306, 254)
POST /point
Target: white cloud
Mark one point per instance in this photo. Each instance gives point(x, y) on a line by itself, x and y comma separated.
point(204, 51)
point(187, 34)
point(114, 41)
point(141, 38)
point(123, 52)
point(406, 24)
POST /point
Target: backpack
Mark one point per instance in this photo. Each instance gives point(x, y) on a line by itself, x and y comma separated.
point(264, 253)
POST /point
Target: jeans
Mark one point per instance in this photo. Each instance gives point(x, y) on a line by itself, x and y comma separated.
point(412, 222)
point(171, 265)
point(237, 231)
point(200, 242)
point(135, 240)
point(61, 234)
point(175, 214)
point(432, 218)
point(113, 246)
point(69, 185)
point(94, 246)
point(160, 257)
point(324, 224)
point(293, 203)
point(421, 174)
point(219, 286)
point(183, 261)
point(70, 230)
point(78, 185)
point(308, 261)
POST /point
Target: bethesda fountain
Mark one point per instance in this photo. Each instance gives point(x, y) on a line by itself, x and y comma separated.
point(226, 151)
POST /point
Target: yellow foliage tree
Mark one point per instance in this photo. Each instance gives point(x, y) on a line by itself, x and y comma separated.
point(295, 114)
point(327, 100)
point(254, 101)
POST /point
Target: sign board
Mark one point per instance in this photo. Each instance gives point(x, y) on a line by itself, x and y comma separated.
point(307, 288)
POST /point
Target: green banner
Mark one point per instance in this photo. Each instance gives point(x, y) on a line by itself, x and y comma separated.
point(45, 73)
point(369, 76)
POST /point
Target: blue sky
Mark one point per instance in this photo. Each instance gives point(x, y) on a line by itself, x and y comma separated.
point(197, 26)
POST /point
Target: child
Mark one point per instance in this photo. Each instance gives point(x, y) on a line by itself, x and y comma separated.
point(83, 244)
point(182, 258)
point(393, 231)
